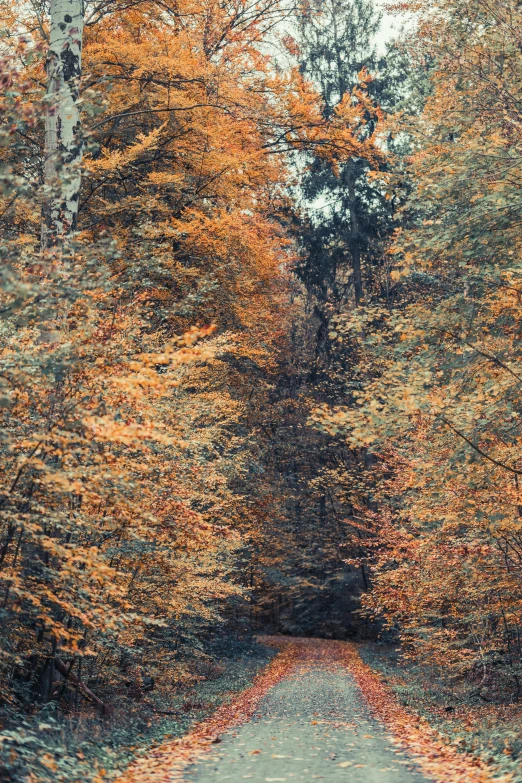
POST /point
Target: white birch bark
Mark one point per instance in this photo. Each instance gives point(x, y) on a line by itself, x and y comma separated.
point(63, 131)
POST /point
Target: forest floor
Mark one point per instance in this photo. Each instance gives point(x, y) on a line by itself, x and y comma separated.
point(317, 712)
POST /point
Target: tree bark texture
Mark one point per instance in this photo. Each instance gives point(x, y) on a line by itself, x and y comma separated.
point(63, 132)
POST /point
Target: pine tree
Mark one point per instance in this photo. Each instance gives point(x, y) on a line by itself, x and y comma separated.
point(347, 215)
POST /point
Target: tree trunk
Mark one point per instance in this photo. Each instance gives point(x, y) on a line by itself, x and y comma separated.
point(65, 671)
point(355, 247)
point(63, 132)
point(357, 275)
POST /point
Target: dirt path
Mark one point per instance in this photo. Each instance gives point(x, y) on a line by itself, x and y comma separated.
point(313, 725)
point(317, 712)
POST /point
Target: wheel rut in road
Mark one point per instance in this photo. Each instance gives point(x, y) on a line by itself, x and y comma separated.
point(313, 725)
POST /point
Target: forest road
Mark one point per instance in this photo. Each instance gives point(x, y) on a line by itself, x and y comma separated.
point(313, 725)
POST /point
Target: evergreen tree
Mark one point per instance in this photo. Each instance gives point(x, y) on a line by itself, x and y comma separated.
point(347, 217)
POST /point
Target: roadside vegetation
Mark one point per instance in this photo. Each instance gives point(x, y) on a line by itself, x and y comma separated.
point(492, 731)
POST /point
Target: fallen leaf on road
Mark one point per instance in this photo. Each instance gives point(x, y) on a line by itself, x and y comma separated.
point(345, 764)
point(169, 760)
point(437, 760)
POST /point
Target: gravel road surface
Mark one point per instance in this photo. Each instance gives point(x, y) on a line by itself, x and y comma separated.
point(313, 725)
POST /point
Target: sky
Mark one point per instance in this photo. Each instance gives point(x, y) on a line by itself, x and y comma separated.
point(390, 25)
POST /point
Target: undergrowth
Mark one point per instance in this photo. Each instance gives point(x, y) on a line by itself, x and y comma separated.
point(51, 747)
point(492, 731)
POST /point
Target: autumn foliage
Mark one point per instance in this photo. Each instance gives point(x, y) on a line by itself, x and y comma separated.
point(442, 407)
point(131, 348)
point(272, 364)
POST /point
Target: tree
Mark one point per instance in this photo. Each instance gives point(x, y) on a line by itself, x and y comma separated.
point(312, 569)
point(131, 339)
point(348, 216)
point(443, 408)
point(63, 132)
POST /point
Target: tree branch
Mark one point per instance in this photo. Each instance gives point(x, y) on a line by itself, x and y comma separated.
point(479, 450)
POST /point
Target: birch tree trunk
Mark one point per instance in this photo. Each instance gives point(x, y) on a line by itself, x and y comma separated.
point(63, 132)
